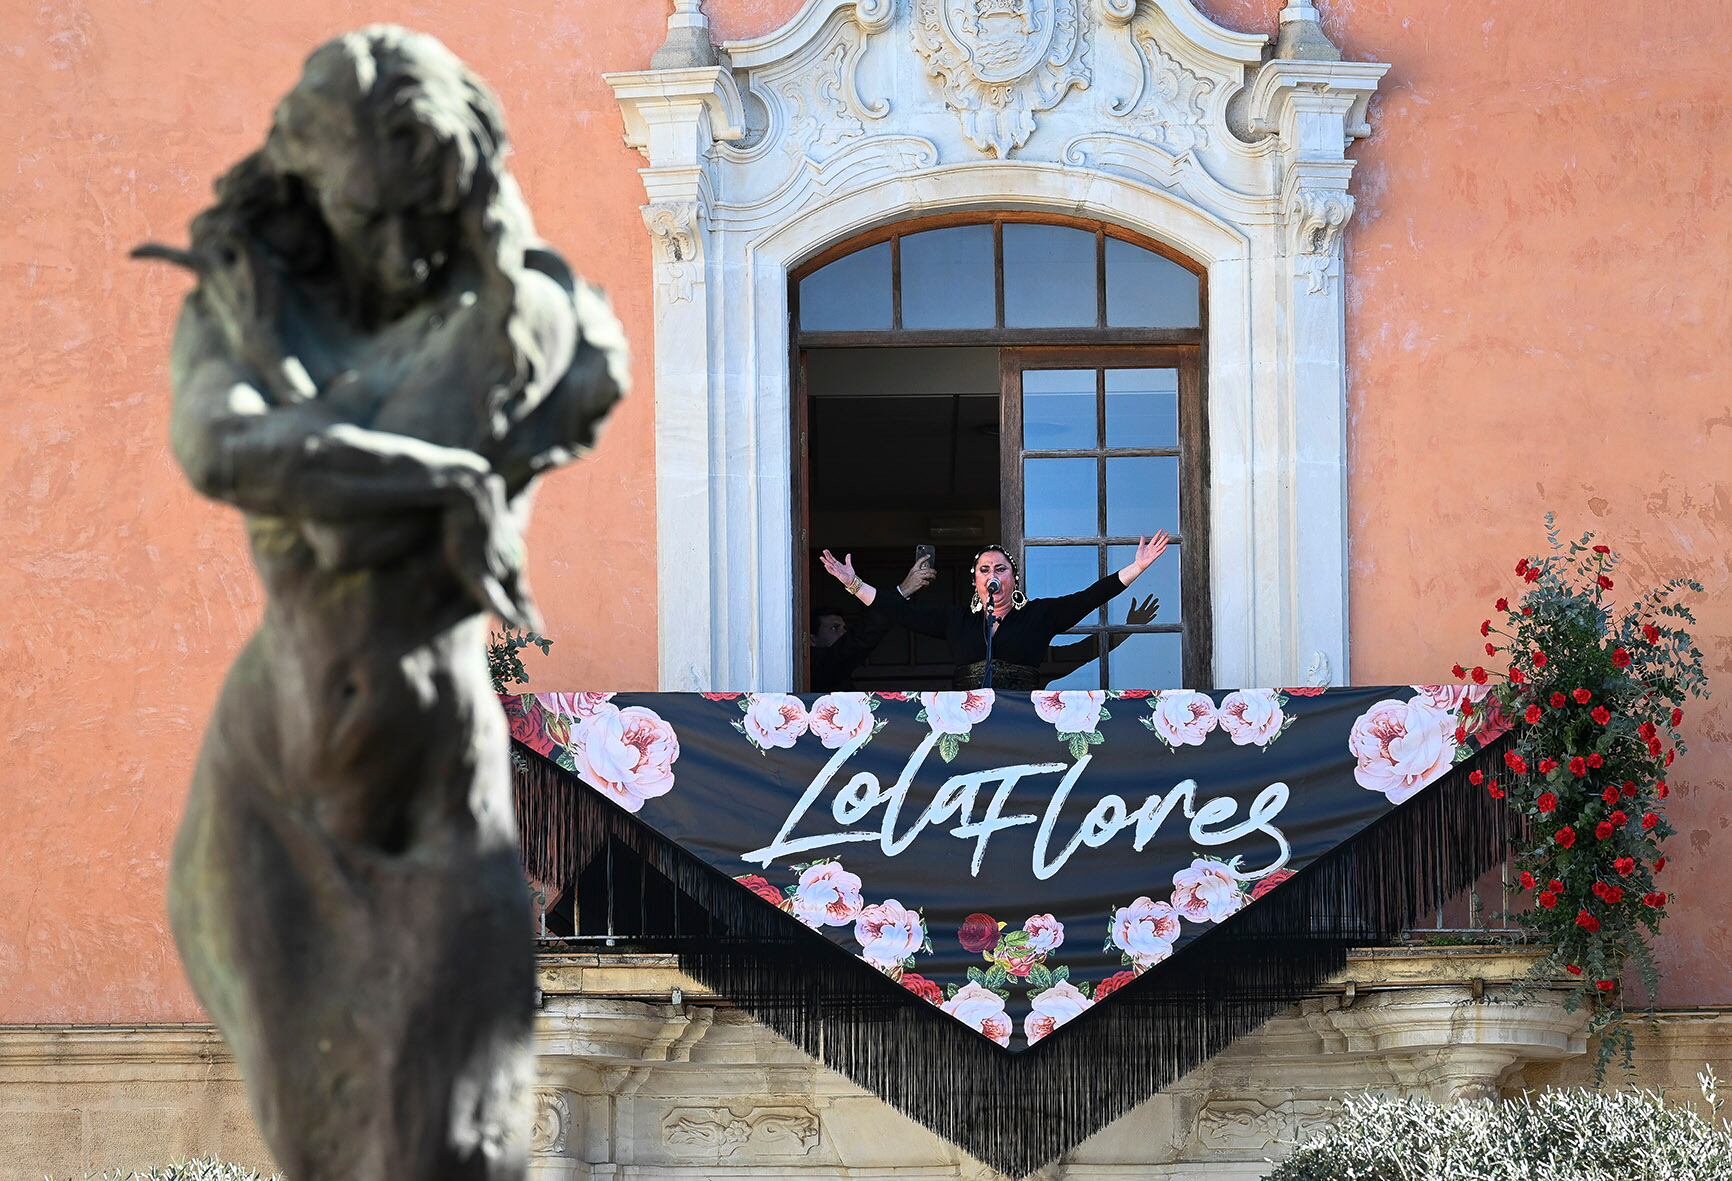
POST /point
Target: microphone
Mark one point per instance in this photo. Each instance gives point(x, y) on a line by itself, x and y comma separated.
point(993, 587)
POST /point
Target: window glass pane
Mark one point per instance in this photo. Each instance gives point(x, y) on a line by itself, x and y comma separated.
point(1059, 498)
point(850, 294)
point(1147, 660)
point(1060, 569)
point(1160, 580)
point(1049, 277)
point(1086, 675)
point(947, 278)
point(1058, 409)
point(1142, 408)
point(1142, 494)
point(1146, 290)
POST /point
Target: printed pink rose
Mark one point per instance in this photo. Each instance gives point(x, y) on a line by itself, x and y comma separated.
point(527, 723)
point(1450, 698)
point(889, 933)
point(721, 696)
point(627, 753)
point(827, 895)
point(1252, 717)
point(775, 719)
point(1145, 931)
point(1052, 1008)
point(1207, 892)
point(981, 1010)
point(1268, 882)
point(839, 718)
point(1183, 717)
point(956, 711)
point(1491, 723)
point(760, 885)
point(897, 696)
point(920, 986)
point(1402, 746)
point(1019, 963)
point(1044, 933)
point(1071, 711)
point(574, 705)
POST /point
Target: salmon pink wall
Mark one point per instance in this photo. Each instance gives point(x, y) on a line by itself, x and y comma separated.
point(1538, 308)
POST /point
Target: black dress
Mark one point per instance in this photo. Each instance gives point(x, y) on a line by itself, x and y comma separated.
point(1019, 645)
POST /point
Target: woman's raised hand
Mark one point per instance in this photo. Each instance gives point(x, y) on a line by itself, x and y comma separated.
point(1148, 549)
point(842, 571)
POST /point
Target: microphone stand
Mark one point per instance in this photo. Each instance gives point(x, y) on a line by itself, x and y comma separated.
point(992, 593)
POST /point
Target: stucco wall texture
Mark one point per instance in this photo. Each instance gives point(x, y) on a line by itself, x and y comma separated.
point(1539, 293)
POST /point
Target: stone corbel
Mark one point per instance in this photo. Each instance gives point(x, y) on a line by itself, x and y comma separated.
point(676, 231)
point(553, 1138)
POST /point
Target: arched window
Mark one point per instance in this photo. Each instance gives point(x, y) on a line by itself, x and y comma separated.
point(1008, 379)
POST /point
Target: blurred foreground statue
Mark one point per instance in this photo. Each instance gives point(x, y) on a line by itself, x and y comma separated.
point(379, 359)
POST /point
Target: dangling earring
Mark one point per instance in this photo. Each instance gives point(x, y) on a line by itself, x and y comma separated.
point(974, 603)
point(1018, 600)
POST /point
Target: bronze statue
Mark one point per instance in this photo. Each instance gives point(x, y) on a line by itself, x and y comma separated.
point(378, 360)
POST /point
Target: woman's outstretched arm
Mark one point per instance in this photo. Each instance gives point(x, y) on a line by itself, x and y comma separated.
point(1066, 610)
point(928, 620)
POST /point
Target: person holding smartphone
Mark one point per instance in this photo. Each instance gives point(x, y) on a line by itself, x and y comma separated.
point(837, 650)
point(1019, 629)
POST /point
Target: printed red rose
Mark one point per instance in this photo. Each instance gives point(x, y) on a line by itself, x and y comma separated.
point(1587, 922)
point(920, 986)
point(978, 933)
point(1268, 882)
point(1601, 715)
point(1112, 984)
point(1565, 836)
point(761, 886)
point(528, 726)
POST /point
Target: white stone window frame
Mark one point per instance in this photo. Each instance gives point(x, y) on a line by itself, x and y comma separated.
point(860, 113)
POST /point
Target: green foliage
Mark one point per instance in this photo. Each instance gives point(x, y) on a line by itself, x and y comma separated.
point(504, 659)
point(1567, 1135)
point(1595, 692)
point(192, 1170)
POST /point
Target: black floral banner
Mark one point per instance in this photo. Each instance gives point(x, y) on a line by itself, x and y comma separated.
point(1012, 859)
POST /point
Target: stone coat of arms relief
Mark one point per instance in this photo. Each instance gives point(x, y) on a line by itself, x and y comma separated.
point(1001, 61)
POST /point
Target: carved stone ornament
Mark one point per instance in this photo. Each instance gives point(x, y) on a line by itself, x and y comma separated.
point(723, 1131)
point(1318, 217)
point(1169, 107)
point(550, 1135)
point(1001, 61)
point(673, 227)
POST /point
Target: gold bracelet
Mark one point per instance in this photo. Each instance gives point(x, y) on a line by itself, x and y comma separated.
point(852, 588)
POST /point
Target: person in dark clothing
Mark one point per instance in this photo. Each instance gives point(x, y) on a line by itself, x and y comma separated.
point(837, 650)
point(1022, 629)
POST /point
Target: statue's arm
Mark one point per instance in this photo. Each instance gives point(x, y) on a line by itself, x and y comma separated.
point(236, 445)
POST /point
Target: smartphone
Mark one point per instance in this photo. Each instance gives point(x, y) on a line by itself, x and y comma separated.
point(925, 552)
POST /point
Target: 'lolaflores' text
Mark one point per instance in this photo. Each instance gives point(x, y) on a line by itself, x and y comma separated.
point(959, 800)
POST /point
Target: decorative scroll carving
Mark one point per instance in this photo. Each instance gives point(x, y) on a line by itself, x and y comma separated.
point(723, 1131)
point(550, 1135)
point(1243, 1122)
point(673, 226)
point(1317, 217)
point(1001, 61)
point(825, 100)
point(1169, 107)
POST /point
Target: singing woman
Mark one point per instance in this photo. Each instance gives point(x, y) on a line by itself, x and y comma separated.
point(1020, 629)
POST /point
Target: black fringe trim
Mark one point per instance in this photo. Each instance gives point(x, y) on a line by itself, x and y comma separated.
point(1019, 1112)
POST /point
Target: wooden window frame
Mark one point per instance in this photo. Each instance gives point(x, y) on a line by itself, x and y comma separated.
point(1097, 347)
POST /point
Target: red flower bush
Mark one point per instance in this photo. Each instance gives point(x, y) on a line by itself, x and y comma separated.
point(1597, 690)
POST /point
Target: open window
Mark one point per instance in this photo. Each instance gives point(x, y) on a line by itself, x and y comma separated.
point(1006, 379)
